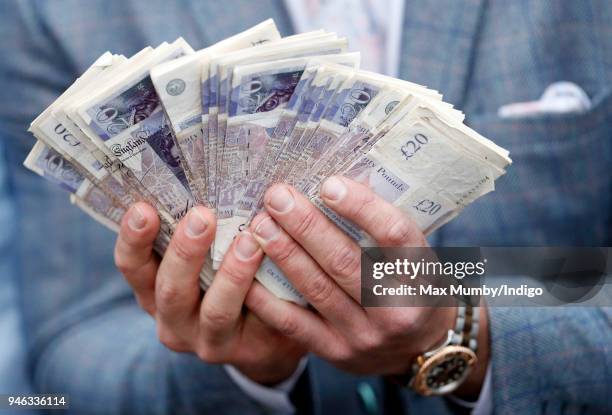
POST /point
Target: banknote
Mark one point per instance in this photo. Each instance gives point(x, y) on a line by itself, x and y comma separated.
point(386, 109)
point(260, 34)
point(428, 167)
point(92, 200)
point(259, 94)
point(49, 164)
point(129, 98)
point(328, 94)
point(332, 95)
point(232, 172)
point(175, 127)
point(126, 119)
point(353, 97)
point(287, 119)
point(360, 132)
point(316, 97)
point(300, 102)
point(321, 94)
point(98, 198)
point(104, 194)
point(178, 84)
point(312, 43)
point(430, 172)
point(57, 129)
point(218, 85)
point(50, 130)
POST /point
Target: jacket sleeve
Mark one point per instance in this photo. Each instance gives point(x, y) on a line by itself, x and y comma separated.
point(551, 360)
point(85, 335)
point(113, 363)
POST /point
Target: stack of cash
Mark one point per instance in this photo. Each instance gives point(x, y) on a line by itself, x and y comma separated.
point(176, 127)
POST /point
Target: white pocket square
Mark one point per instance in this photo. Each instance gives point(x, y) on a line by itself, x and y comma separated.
point(558, 98)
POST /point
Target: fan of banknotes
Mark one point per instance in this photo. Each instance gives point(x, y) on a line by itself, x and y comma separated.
point(176, 127)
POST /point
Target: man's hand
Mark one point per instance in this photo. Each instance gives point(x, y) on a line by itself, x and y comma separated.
point(324, 264)
point(214, 327)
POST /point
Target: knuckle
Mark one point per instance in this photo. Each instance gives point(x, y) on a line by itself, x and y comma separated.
point(167, 293)
point(341, 355)
point(307, 223)
point(288, 326)
point(368, 200)
point(170, 340)
point(254, 301)
point(368, 341)
point(318, 288)
point(399, 324)
point(345, 262)
point(215, 317)
point(402, 231)
point(183, 251)
point(286, 252)
point(121, 262)
point(209, 354)
point(235, 276)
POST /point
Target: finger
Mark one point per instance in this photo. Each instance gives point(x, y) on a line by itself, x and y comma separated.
point(177, 289)
point(265, 344)
point(221, 308)
point(295, 322)
point(387, 224)
point(134, 255)
point(306, 276)
point(333, 250)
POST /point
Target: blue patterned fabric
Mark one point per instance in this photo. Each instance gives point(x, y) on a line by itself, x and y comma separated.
point(84, 332)
point(12, 351)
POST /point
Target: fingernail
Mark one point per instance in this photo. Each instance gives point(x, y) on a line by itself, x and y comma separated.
point(246, 246)
point(333, 189)
point(196, 224)
point(281, 200)
point(267, 229)
point(136, 220)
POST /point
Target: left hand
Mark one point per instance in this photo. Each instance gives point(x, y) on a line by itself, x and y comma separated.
point(324, 264)
point(214, 327)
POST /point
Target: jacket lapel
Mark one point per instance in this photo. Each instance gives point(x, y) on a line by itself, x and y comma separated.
point(438, 44)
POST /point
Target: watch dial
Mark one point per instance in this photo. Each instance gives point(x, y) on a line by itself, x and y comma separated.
point(452, 369)
point(445, 371)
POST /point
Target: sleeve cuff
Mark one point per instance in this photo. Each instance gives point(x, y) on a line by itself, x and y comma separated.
point(275, 398)
point(484, 404)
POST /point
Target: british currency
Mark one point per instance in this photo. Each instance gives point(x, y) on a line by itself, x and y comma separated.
point(260, 92)
point(386, 109)
point(354, 95)
point(302, 102)
point(221, 75)
point(175, 127)
point(233, 140)
point(179, 86)
point(104, 169)
point(126, 119)
point(315, 98)
point(49, 164)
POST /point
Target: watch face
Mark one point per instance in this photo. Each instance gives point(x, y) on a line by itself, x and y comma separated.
point(445, 371)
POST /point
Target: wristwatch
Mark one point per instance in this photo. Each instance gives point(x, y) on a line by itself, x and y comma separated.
point(444, 368)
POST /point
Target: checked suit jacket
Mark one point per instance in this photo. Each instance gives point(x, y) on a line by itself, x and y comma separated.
point(84, 332)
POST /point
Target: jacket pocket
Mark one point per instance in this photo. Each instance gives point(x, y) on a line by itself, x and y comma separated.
point(558, 189)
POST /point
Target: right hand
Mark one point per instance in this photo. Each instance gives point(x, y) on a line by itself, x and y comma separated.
point(214, 327)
